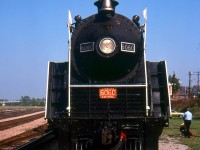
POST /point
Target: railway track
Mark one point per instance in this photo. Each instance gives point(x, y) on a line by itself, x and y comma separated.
point(12, 122)
point(22, 138)
point(15, 112)
point(46, 142)
point(15, 131)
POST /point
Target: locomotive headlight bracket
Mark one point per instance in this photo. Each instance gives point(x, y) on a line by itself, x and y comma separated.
point(107, 45)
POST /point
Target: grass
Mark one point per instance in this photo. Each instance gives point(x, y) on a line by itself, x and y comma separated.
point(173, 132)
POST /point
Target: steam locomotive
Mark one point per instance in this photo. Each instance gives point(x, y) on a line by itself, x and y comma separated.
point(107, 96)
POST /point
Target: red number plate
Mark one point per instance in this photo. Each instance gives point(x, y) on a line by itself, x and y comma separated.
point(107, 93)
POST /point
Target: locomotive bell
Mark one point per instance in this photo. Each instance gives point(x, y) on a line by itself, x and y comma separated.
point(106, 6)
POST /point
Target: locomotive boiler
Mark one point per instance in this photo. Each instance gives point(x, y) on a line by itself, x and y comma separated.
point(107, 96)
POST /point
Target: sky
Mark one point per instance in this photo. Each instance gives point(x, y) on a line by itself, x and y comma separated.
point(33, 32)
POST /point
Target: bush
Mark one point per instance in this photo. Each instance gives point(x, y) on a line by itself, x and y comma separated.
point(180, 105)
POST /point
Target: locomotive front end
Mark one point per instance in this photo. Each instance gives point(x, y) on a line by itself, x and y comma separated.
point(106, 47)
point(107, 96)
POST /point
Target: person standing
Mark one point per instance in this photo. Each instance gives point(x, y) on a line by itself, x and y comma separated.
point(187, 116)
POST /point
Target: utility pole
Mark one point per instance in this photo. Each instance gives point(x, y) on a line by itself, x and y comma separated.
point(198, 73)
point(189, 94)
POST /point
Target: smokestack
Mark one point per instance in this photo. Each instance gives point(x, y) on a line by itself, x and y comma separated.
point(106, 6)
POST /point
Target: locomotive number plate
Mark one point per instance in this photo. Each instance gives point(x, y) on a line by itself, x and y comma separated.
point(108, 93)
point(85, 47)
point(128, 47)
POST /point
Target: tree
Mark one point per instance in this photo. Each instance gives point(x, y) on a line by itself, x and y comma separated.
point(25, 100)
point(175, 83)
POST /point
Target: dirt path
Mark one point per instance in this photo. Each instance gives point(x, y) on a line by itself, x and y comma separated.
point(167, 143)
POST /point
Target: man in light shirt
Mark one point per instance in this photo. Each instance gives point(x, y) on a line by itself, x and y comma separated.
point(187, 116)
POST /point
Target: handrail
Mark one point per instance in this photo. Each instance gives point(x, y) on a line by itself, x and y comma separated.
point(107, 86)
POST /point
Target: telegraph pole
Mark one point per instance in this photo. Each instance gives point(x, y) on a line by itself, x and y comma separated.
point(190, 74)
point(198, 73)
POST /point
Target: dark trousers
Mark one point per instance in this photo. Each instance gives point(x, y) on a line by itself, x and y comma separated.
point(187, 127)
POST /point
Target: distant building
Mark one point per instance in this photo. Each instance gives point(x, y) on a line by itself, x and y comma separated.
point(182, 93)
point(2, 102)
point(9, 103)
point(196, 91)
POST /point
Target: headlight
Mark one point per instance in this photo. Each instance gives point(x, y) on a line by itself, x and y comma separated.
point(107, 45)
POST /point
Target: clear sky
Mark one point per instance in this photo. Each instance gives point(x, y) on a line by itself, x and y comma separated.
point(33, 32)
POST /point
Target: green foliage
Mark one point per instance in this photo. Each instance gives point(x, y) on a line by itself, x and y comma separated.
point(27, 101)
point(175, 83)
point(180, 105)
point(173, 132)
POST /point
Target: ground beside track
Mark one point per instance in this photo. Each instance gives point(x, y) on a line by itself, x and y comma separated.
point(165, 142)
point(14, 111)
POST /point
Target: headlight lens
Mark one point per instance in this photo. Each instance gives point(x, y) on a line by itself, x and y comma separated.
point(107, 45)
